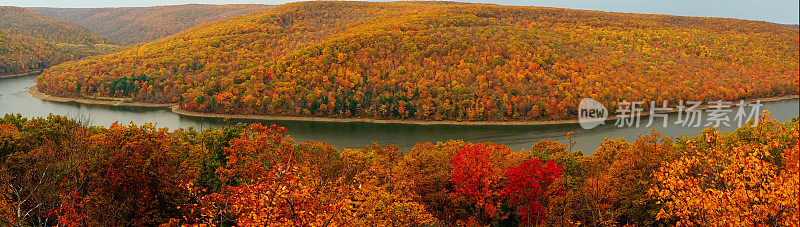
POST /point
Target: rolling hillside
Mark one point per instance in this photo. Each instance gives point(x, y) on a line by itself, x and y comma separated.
point(21, 21)
point(31, 41)
point(131, 25)
point(440, 61)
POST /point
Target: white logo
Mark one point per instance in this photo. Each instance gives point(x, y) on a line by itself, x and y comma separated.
point(591, 113)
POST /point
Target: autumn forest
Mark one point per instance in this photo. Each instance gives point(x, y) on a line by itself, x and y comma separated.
point(56, 171)
point(440, 61)
point(401, 62)
point(30, 41)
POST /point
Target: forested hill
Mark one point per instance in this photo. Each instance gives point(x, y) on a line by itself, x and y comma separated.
point(21, 21)
point(131, 25)
point(30, 41)
point(441, 61)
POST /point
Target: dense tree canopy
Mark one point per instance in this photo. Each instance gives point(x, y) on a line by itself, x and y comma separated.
point(442, 61)
point(31, 41)
point(57, 171)
point(132, 25)
point(25, 22)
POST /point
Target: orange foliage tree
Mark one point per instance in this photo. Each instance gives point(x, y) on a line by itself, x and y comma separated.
point(748, 177)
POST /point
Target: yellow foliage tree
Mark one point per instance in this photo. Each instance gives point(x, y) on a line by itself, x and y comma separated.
point(749, 177)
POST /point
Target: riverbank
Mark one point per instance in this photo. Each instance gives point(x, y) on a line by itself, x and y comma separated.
point(20, 74)
point(176, 109)
point(34, 91)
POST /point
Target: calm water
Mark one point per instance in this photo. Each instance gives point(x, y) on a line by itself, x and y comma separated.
point(14, 98)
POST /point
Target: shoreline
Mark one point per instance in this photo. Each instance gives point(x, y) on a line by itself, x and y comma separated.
point(34, 91)
point(175, 108)
point(20, 74)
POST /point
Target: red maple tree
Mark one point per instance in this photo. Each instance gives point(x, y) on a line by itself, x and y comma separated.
point(527, 188)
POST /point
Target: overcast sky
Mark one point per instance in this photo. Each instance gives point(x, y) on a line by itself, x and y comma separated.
point(779, 11)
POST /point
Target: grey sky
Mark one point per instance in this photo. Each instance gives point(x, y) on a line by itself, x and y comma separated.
point(779, 11)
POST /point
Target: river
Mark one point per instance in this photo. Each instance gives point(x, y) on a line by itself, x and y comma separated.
point(14, 98)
